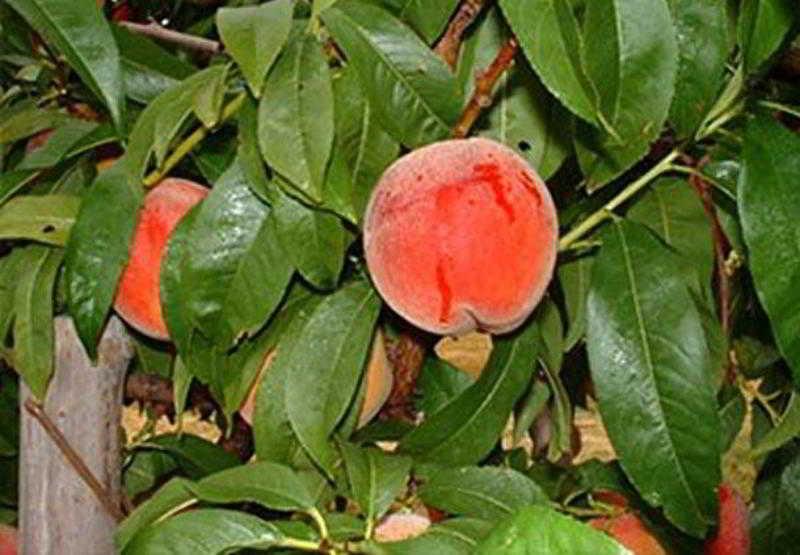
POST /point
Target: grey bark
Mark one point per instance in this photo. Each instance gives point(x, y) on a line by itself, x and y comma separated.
point(59, 514)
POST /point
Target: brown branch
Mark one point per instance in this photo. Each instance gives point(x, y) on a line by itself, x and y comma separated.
point(484, 87)
point(406, 355)
point(449, 44)
point(158, 394)
point(156, 31)
point(721, 249)
point(84, 472)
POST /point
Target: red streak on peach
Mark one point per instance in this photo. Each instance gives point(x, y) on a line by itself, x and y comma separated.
point(138, 297)
point(733, 535)
point(461, 235)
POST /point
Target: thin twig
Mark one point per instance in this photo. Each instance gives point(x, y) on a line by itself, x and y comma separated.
point(188, 144)
point(578, 232)
point(449, 45)
point(484, 86)
point(101, 493)
point(156, 31)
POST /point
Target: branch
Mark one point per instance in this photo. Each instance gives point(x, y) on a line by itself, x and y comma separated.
point(192, 141)
point(190, 42)
point(721, 249)
point(449, 45)
point(484, 86)
point(103, 496)
point(605, 212)
point(406, 355)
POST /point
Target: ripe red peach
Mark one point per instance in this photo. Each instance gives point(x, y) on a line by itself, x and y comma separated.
point(630, 532)
point(138, 298)
point(461, 235)
point(8, 540)
point(733, 535)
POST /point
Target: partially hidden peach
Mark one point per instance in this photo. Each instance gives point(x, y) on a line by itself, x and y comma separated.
point(630, 532)
point(138, 298)
point(461, 235)
point(8, 540)
point(733, 534)
point(38, 141)
point(379, 380)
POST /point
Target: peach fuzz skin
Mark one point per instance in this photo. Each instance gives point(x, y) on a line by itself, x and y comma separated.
point(8, 540)
point(733, 535)
point(138, 298)
point(629, 531)
point(461, 235)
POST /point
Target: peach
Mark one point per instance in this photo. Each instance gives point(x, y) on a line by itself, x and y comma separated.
point(8, 540)
point(629, 531)
point(733, 535)
point(401, 526)
point(461, 235)
point(38, 141)
point(138, 296)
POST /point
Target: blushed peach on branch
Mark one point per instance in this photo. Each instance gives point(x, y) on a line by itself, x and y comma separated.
point(138, 298)
point(461, 235)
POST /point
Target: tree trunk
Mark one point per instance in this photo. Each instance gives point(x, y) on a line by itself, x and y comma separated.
point(58, 512)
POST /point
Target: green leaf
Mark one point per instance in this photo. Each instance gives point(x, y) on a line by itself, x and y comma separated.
point(651, 367)
point(540, 530)
point(556, 35)
point(208, 100)
point(205, 532)
point(763, 25)
point(196, 457)
point(775, 520)
point(702, 32)
point(59, 145)
point(295, 116)
point(79, 30)
point(45, 219)
point(366, 147)
point(145, 469)
point(163, 119)
point(33, 321)
point(439, 384)
point(523, 115)
point(575, 277)
point(97, 250)
point(11, 182)
point(429, 19)
point(169, 498)
point(376, 478)
point(147, 69)
point(411, 90)
point(674, 211)
point(631, 57)
point(786, 430)
point(268, 484)
point(254, 36)
point(235, 272)
point(768, 207)
point(332, 350)
point(313, 241)
point(171, 291)
point(489, 493)
point(455, 536)
point(25, 120)
point(465, 430)
point(272, 434)
point(249, 154)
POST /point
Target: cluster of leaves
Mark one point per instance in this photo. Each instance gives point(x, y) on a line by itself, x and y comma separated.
point(676, 308)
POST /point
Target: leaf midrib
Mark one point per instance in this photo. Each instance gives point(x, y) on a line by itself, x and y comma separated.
point(650, 366)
